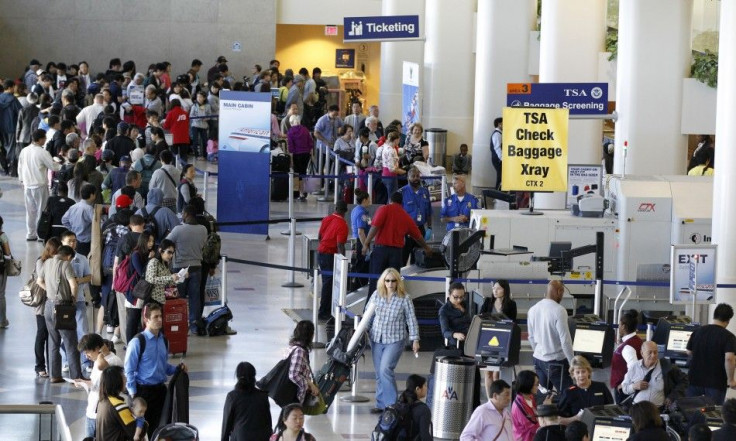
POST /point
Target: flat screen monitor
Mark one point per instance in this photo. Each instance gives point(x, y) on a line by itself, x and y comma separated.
point(589, 341)
point(611, 430)
point(677, 340)
point(493, 341)
point(556, 248)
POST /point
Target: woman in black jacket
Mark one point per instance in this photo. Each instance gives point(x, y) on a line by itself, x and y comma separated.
point(246, 415)
point(648, 425)
point(420, 427)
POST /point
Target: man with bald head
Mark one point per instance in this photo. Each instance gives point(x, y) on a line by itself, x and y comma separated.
point(651, 379)
point(550, 338)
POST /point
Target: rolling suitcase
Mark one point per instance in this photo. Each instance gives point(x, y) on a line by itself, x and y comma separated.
point(330, 379)
point(280, 184)
point(176, 325)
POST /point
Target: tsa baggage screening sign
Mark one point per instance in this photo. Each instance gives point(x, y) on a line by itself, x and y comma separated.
point(534, 149)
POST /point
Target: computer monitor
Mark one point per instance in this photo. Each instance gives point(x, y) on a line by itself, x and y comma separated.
point(497, 341)
point(611, 430)
point(677, 338)
point(556, 248)
point(589, 340)
point(493, 341)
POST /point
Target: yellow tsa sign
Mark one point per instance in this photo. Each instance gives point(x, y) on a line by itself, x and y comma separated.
point(534, 149)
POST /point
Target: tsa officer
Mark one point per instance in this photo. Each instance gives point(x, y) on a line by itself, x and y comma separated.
point(456, 208)
point(417, 204)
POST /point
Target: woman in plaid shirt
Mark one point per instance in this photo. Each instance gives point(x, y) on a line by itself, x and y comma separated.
point(299, 371)
point(394, 311)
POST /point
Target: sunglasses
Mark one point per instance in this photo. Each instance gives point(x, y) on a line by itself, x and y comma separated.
point(391, 280)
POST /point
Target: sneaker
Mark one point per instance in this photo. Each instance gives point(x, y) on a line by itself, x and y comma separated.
point(4, 324)
point(65, 368)
point(110, 329)
point(116, 339)
point(88, 369)
point(31, 239)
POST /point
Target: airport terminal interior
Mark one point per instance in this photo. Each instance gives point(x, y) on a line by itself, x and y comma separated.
point(627, 227)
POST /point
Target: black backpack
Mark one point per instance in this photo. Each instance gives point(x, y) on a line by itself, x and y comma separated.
point(395, 424)
point(149, 225)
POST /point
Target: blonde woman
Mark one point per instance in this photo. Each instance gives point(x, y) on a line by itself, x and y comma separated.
point(394, 311)
point(584, 394)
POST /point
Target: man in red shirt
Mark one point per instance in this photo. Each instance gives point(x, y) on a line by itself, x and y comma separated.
point(389, 227)
point(333, 233)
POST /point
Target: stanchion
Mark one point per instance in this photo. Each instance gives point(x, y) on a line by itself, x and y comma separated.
point(291, 204)
point(326, 184)
point(354, 397)
point(223, 292)
point(204, 189)
point(355, 186)
point(337, 173)
point(315, 311)
point(443, 189)
point(292, 244)
point(320, 165)
point(370, 186)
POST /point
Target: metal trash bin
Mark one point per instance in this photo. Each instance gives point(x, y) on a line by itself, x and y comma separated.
point(437, 139)
point(452, 403)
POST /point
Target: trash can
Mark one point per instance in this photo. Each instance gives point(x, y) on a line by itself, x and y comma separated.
point(437, 139)
point(452, 402)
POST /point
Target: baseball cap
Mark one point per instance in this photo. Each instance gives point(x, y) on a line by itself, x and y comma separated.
point(221, 59)
point(125, 158)
point(123, 126)
point(108, 155)
point(123, 201)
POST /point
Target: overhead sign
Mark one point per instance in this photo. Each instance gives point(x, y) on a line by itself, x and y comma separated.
point(578, 98)
point(394, 27)
point(686, 262)
point(534, 149)
point(330, 30)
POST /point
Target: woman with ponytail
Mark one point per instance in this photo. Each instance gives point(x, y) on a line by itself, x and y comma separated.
point(246, 415)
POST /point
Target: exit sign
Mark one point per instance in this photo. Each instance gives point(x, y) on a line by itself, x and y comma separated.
point(331, 30)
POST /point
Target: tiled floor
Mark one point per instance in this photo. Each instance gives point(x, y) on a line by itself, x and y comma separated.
point(256, 298)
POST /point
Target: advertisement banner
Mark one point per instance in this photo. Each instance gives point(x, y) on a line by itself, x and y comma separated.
point(410, 95)
point(703, 258)
point(583, 179)
point(345, 58)
point(381, 28)
point(578, 98)
point(534, 149)
point(244, 160)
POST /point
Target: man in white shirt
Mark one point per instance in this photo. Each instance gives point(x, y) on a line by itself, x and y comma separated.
point(651, 379)
point(34, 163)
point(491, 420)
point(549, 336)
point(87, 116)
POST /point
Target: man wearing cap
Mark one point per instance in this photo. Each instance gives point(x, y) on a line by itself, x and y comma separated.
point(333, 233)
point(121, 144)
point(164, 218)
point(115, 179)
point(30, 76)
point(79, 217)
point(134, 180)
point(214, 70)
point(491, 420)
point(549, 424)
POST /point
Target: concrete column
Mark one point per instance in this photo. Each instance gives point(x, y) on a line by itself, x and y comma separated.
point(724, 180)
point(653, 59)
point(503, 34)
point(449, 70)
point(573, 34)
point(393, 54)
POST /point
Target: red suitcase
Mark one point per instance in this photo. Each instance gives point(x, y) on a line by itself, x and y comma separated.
point(176, 325)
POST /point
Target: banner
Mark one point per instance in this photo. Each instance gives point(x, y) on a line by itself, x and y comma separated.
point(410, 95)
point(583, 179)
point(682, 278)
point(244, 160)
point(534, 149)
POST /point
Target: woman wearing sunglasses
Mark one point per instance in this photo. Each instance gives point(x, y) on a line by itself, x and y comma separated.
point(394, 311)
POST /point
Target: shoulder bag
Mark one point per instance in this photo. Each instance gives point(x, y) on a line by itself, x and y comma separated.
point(143, 290)
point(32, 294)
point(278, 385)
point(13, 266)
point(64, 307)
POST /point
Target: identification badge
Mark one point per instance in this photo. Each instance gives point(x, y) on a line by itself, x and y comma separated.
point(419, 217)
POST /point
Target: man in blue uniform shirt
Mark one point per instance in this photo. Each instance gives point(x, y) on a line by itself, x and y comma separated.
point(419, 207)
point(456, 208)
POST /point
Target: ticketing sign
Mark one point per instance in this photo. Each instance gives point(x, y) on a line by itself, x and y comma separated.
point(534, 149)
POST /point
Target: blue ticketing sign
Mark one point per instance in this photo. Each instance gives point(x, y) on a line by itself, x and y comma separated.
point(394, 27)
point(579, 98)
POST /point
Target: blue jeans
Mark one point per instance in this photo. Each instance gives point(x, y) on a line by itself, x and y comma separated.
point(199, 140)
point(56, 337)
point(385, 359)
point(717, 395)
point(189, 289)
point(391, 184)
point(91, 427)
point(549, 373)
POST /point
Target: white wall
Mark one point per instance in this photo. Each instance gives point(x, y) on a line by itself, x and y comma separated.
point(324, 11)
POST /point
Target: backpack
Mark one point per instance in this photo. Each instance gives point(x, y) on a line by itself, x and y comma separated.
point(149, 225)
point(211, 250)
point(125, 276)
point(142, 343)
point(108, 251)
point(395, 423)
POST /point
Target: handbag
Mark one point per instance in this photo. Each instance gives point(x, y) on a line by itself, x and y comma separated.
point(13, 267)
point(311, 184)
point(278, 385)
point(171, 292)
point(43, 227)
point(143, 290)
point(32, 294)
point(314, 404)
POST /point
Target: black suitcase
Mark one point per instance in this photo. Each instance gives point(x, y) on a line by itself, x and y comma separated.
point(280, 184)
